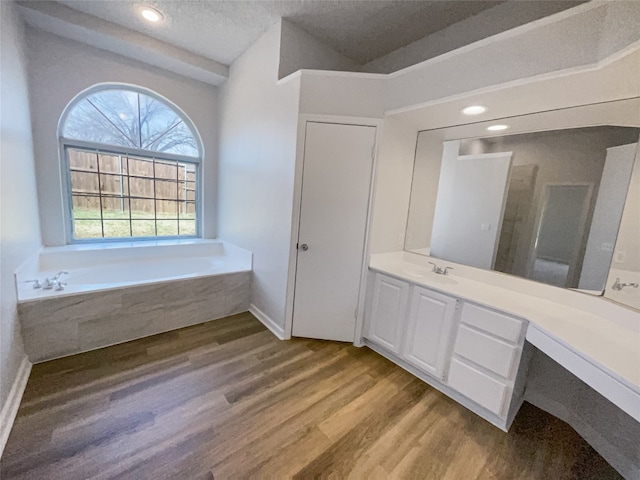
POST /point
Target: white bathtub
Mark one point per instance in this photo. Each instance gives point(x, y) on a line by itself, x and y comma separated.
point(122, 291)
point(94, 267)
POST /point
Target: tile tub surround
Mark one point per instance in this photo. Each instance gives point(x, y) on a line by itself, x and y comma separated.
point(64, 325)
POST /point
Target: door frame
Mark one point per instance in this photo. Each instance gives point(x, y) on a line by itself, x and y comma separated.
point(303, 119)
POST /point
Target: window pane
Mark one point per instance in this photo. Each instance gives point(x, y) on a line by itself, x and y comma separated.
point(167, 228)
point(87, 122)
point(125, 199)
point(139, 167)
point(116, 228)
point(187, 227)
point(114, 207)
point(82, 160)
point(142, 208)
point(113, 185)
point(167, 189)
point(87, 229)
point(143, 228)
point(167, 209)
point(112, 163)
point(168, 170)
point(191, 191)
point(141, 187)
point(82, 182)
point(178, 140)
point(85, 206)
point(129, 118)
point(189, 210)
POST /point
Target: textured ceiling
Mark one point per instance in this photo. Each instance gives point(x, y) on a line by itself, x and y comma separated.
point(223, 29)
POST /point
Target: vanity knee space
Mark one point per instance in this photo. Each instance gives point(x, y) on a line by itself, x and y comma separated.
point(469, 352)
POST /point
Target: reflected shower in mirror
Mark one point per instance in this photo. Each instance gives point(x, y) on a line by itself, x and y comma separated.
point(543, 205)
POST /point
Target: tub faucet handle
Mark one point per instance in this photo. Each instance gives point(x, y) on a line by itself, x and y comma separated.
point(36, 283)
point(60, 285)
point(48, 284)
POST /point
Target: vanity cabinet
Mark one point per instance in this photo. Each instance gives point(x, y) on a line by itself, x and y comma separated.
point(387, 313)
point(486, 354)
point(429, 330)
point(470, 352)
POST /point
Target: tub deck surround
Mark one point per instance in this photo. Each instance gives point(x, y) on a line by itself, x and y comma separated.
point(98, 267)
point(599, 343)
point(145, 290)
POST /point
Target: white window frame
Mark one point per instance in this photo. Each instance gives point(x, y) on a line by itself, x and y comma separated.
point(66, 143)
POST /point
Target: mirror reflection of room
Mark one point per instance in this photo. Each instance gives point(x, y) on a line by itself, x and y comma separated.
point(544, 206)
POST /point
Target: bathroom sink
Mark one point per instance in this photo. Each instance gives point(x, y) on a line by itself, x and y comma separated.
point(415, 271)
point(442, 279)
point(424, 273)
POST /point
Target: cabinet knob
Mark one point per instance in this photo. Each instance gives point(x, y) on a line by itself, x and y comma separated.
point(304, 247)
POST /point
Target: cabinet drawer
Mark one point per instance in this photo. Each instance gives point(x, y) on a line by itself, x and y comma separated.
point(489, 352)
point(495, 323)
point(478, 386)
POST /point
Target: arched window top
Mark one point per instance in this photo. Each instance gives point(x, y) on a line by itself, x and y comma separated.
point(129, 117)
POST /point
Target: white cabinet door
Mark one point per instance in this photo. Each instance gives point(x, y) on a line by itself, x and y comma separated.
point(429, 333)
point(388, 312)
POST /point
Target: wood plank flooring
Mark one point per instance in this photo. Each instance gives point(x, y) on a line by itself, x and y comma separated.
point(226, 399)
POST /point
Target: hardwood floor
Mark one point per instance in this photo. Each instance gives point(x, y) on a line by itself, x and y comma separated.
point(226, 399)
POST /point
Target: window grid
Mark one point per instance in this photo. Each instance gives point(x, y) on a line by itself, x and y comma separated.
point(179, 205)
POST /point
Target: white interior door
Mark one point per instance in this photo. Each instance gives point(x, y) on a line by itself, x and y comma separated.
point(468, 216)
point(336, 181)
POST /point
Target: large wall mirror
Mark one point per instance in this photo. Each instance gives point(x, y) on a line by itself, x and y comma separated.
point(539, 196)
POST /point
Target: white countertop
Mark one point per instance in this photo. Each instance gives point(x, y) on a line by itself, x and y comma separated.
point(603, 342)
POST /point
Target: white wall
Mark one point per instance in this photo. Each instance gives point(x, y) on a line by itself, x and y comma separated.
point(490, 22)
point(337, 93)
point(299, 50)
point(258, 128)
point(59, 69)
point(19, 226)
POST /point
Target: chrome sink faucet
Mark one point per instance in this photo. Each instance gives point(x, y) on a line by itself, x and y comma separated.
point(440, 271)
point(617, 285)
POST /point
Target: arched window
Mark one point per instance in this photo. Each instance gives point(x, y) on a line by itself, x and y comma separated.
point(131, 162)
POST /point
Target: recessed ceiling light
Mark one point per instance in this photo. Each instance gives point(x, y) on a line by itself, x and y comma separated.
point(497, 128)
point(151, 14)
point(474, 110)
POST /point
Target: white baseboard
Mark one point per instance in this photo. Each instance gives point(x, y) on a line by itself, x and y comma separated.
point(276, 329)
point(10, 408)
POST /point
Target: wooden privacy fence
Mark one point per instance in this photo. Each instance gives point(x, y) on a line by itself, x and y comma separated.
point(146, 185)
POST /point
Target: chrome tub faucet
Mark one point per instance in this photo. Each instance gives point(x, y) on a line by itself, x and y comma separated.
point(57, 276)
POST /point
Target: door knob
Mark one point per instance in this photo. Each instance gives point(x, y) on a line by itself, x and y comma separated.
point(304, 247)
